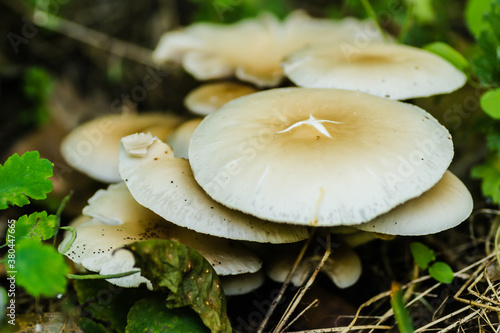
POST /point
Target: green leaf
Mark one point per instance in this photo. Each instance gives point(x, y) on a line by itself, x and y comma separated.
point(107, 303)
point(41, 270)
point(189, 277)
point(441, 272)
point(490, 103)
point(422, 254)
point(423, 11)
point(35, 226)
point(23, 177)
point(489, 173)
point(448, 53)
point(474, 16)
point(150, 315)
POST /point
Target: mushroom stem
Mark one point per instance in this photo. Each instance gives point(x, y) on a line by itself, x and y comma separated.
point(303, 290)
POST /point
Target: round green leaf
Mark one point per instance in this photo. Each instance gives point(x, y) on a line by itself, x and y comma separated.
point(422, 254)
point(490, 103)
point(41, 270)
point(151, 315)
point(449, 54)
point(441, 272)
point(474, 16)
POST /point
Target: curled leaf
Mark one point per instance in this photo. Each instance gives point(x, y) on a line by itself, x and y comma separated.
point(190, 279)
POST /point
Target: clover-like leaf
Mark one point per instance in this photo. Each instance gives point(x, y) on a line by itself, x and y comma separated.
point(192, 282)
point(38, 225)
point(41, 270)
point(23, 177)
point(151, 315)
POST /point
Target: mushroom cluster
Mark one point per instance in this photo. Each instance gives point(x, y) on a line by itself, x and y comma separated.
point(338, 152)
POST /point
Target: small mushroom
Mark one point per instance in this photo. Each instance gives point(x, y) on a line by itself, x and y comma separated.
point(386, 70)
point(179, 139)
point(242, 283)
point(252, 49)
point(343, 267)
point(322, 157)
point(97, 243)
point(92, 147)
point(165, 184)
point(210, 97)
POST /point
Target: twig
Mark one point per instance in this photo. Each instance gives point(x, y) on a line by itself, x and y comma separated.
point(341, 329)
point(313, 304)
point(437, 321)
point(285, 284)
point(303, 290)
point(86, 35)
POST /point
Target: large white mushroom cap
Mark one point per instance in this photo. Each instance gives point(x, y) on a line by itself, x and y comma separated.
point(166, 185)
point(386, 70)
point(92, 147)
point(252, 49)
point(97, 241)
point(320, 157)
point(444, 206)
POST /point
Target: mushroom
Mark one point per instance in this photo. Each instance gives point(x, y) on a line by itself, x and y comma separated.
point(92, 147)
point(343, 267)
point(165, 184)
point(242, 283)
point(179, 139)
point(209, 97)
point(97, 242)
point(442, 207)
point(386, 70)
point(322, 157)
point(252, 49)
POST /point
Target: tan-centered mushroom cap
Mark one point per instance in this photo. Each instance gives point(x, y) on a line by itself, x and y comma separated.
point(444, 206)
point(180, 138)
point(252, 49)
point(385, 70)
point(166, 185)
point(96, 240)
point(92, 147)
point(209, 97)
point(320, 157)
